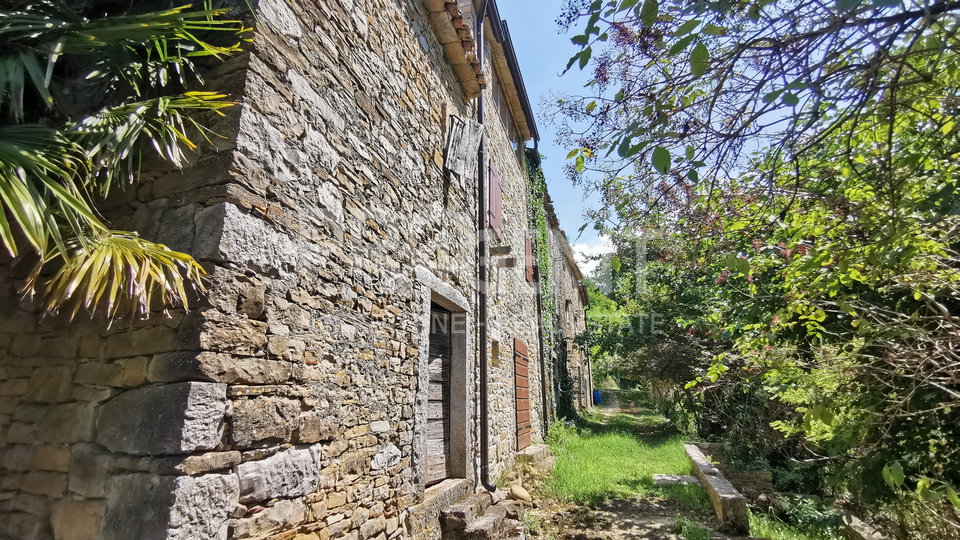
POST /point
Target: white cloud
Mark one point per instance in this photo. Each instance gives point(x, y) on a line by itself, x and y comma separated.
point(585, 254)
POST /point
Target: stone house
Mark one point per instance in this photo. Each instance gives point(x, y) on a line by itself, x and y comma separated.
point(574, 387)
point(365, 354)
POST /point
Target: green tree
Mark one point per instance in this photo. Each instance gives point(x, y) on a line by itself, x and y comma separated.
point(88, 92)
point(808, 152)
point(683, 92)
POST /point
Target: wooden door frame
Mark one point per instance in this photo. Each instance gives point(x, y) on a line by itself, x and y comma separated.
point(434, 290)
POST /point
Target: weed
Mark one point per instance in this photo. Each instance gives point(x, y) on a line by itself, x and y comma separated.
point(690, 529)
point(531, 523)
point(766, 526)
point(689, 495)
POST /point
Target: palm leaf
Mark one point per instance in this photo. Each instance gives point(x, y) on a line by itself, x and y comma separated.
point(37, 168)
point(115, 136)
point(48, 29)
point(118, 265)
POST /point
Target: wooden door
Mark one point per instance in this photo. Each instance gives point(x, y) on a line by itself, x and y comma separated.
point(438, 396)
point(522, 373)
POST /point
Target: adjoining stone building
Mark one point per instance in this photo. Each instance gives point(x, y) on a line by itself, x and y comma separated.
point(329, 384)
point(573, 369)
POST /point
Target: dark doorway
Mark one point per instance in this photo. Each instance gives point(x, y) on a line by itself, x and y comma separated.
point(438, 396)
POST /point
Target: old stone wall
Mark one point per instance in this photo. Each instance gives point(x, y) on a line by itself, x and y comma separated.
point(512, 307)
point(574, 377)
point(285, 400)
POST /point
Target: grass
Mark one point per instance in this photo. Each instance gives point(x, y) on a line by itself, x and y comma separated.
point(765, 526)
point(690, 529)
point(604, 458)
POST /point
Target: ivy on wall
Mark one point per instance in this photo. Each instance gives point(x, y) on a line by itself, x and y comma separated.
point(560, 389)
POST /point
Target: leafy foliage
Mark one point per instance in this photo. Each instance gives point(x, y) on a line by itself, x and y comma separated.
point(806, 155)
point(87, 96)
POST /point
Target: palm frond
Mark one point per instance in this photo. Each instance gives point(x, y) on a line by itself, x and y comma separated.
point(115, 136)
point(37, 171)
point(120, 268)
point(43, 31)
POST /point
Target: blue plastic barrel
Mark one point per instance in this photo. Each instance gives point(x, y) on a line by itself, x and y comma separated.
point(596, 397)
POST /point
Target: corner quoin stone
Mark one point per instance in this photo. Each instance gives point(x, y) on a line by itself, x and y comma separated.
point(151, 507)
point(165, 419)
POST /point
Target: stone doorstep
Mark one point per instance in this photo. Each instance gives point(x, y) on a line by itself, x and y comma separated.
point(488, 526)
point(474, 518)
point(538, 452)
point(426, 515)
point(541, 456)
point(459, 515)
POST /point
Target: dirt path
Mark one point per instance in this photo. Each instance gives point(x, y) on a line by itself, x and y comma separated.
point(635, 518)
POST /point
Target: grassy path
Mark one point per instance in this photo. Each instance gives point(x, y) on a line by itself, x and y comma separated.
point(602, 486)
point(615, 453)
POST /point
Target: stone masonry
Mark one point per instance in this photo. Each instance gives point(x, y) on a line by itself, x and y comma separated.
point(288, 402)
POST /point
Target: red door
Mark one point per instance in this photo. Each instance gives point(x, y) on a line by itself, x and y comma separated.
point(522, 372)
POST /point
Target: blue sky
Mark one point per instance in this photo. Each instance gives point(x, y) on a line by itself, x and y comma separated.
point(543, 54)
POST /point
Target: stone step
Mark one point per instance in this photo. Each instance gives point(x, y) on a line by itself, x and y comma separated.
point(537, 452)
point(458, 516)
point(488, 526)
point(513, 530)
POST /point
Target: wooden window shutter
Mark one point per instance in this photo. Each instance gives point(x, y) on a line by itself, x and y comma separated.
point(496, 202)
point(529, 252)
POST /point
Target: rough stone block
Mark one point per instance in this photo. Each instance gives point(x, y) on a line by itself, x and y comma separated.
point(176, 366)
point(50, 458)
point(729, 505)
point(150, 507)
point(100, 374)
point(8, 404)
point(50, 384)
point(291, 473)
point(37, 505)
point(51, 484)
point(232, 334)
point(336, 499)
point(280, 17)
point(89, 469)
point(24, 526)
point(67, 423)
point(76, 520)
point(142, 341)
point(17, 458)
point(263, 419)
point(165, 419)
point(193, 465)
point(175, 228)
point(316, 426)
point(15, 387)
point(135, 371)
point(235, 236)
point(387, 457)
point(30, 412)
point(284, 515)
